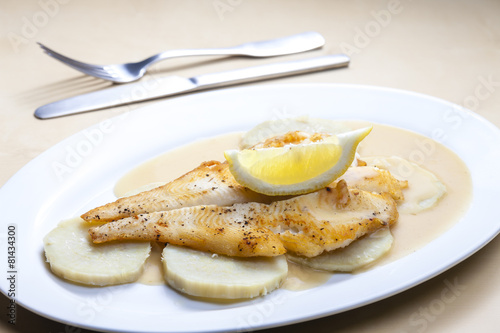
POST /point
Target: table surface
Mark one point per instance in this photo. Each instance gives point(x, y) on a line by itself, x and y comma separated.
point(447, 49)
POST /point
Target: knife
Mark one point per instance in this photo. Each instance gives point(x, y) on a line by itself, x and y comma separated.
point(151, 88)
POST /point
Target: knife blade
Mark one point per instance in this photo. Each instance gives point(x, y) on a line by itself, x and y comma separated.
point(153, 88)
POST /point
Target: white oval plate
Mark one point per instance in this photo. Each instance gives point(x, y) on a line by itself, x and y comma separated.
point(79, 173)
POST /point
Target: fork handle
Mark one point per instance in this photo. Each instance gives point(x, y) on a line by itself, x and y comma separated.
point(267, 48)
point(185, 53)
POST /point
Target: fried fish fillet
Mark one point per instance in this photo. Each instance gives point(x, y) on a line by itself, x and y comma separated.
point(373, 179)
point(210, 183)
point(294, 137)
point(306, 225)
point(190, 227)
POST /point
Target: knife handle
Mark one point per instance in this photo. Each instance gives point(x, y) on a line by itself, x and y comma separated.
point(271, 71)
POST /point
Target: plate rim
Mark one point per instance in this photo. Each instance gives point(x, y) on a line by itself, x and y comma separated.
point(182, 99)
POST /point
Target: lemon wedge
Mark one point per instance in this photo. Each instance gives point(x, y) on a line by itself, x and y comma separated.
point(295, 169)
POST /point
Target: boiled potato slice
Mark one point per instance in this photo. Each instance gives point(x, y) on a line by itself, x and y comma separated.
point(271, 128)
point(204, 274)
point(354, 256)
point(417, 198)
point(72, 256)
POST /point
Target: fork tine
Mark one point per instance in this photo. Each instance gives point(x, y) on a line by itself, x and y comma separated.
point(67, 60)
point(100, 70)
point(93, 70)
point(88, 71)
point(83, 70)
point(96, 72)
point(100, 75)
point(61, 57)
point(104, 75)
point(71, 64)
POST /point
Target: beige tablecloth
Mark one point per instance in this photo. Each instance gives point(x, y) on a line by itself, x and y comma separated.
point(448, 49)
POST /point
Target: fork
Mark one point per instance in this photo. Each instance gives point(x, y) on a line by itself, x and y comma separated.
point(122, 73)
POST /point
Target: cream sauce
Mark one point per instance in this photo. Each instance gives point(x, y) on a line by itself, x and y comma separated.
point(411, 232)
point(303, 278)
point(153, 269)
point(177, 162)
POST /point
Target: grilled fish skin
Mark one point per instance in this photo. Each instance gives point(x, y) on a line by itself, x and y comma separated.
point(193, 227)
point(306, 225)
point(210, 183)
